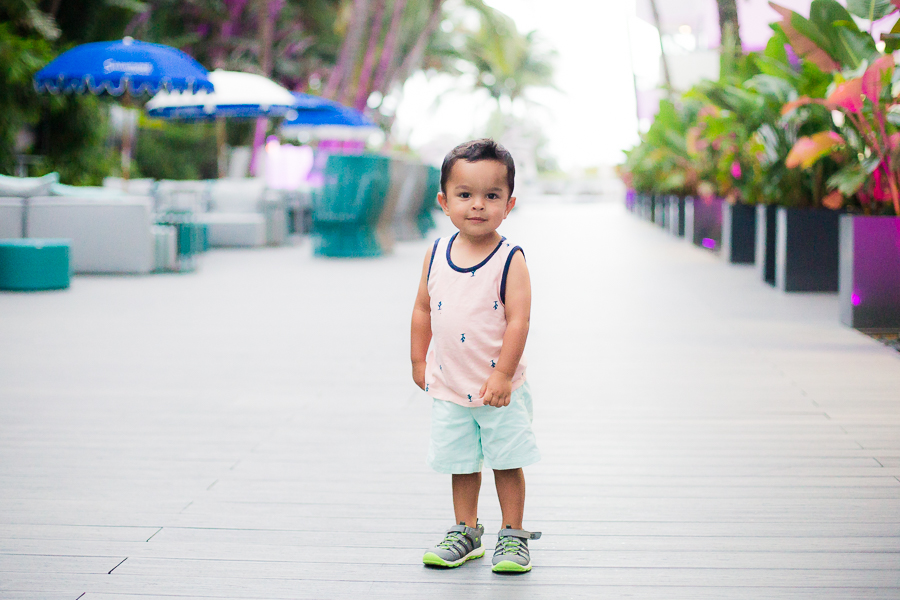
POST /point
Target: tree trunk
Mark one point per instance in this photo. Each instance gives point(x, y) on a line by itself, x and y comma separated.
point(349, 48)
point(390, 48)
point(667, 77)
point(365, 75)
point(268, 11)
point(414, 59)
point(728, 22)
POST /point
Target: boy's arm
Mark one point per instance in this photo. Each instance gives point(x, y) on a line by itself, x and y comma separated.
point(421, 326)
point(497, 390)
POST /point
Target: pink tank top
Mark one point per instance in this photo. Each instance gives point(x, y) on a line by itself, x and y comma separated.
point(468, 321)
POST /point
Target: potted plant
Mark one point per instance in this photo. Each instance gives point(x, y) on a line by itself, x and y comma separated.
point(660, 170)
point(865, 141)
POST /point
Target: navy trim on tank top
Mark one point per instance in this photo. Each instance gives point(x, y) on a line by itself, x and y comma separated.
point(476, 267)
point(431, 262)
point(506, 272)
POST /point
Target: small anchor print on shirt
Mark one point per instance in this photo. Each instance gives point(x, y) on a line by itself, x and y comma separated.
point(463, 340)
point(496, 305)
point(426, 387)
point(439, 305)
point(470, 397)
point(493, 364)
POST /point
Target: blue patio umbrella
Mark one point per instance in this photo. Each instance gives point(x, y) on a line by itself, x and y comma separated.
point(120, 66)
point(326, 118)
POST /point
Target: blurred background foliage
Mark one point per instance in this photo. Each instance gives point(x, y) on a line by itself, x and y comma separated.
point(358, 52)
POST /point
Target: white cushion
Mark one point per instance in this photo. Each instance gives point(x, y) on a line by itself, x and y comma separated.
point(234, 230)
point(23, 187)
point(10, 218)
point(108, 236)
point(138, 187)
point(237, 195)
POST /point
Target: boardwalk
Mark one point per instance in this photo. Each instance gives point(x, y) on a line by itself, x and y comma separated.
point(251, 431)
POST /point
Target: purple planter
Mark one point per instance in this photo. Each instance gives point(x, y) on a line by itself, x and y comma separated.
point(869, 290)
point(706, 227)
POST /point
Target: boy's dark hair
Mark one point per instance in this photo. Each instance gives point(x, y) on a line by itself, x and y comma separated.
point(483, 149)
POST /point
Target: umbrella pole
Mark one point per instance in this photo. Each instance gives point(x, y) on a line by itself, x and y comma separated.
point(126, 139)
point(220, 146)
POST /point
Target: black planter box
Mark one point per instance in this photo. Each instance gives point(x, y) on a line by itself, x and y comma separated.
point(706, 223)
point(806, 250)
point(675, 216)
point(765, 241)
point(869, 272)
point(661, 210)
point(739, 233)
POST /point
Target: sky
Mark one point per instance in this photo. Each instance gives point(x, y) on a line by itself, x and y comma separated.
point(588, 120)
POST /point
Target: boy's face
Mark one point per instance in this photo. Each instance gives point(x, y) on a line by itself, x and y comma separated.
point(477, 198)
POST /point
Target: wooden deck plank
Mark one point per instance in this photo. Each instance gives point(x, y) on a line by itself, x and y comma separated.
point(260, 430)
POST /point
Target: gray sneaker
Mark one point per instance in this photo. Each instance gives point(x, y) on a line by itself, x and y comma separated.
point(459, 545)
point(511, 554)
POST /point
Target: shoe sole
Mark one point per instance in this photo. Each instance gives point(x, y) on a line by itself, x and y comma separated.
point(434, 560)
point(508, 566)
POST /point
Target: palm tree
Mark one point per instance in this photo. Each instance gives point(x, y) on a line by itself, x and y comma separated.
point(507, 62)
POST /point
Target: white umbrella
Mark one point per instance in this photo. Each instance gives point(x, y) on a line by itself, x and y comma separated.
point(240, 95)
point(237, 95)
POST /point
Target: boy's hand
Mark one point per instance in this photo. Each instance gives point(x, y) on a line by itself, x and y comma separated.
point(497, 390)
point(419, 374)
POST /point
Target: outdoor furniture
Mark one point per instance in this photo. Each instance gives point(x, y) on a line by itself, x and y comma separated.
point(346, 210)
point(234, 230)
point(190, 237)
point(108, 236)
point(11, 210)
point(34, 264)
point(410, 203)
point(399, 171)
point(425, 219)
point(165, 248)
point(136, 187)
point(234, 202)
point(192, 195)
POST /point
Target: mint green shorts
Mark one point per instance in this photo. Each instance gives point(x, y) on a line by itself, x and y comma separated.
point(463, 438)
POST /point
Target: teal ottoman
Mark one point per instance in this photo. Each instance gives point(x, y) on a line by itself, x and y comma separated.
point(32, 264)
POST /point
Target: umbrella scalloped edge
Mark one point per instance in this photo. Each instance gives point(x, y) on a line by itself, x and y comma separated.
point(80, 85)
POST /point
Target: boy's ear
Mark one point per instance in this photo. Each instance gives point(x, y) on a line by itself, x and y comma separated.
point(442, 200)
point(510, 204)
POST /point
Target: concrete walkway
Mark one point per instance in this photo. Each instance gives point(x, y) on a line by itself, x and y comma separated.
point(251, 431)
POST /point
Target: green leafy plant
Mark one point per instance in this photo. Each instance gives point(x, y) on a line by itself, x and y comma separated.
point(865, 138)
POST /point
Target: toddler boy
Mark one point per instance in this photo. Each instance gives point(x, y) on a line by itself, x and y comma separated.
point(469, 327)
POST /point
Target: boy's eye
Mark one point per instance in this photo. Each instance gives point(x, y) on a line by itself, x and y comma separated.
point(493, 196)
point(464, 194)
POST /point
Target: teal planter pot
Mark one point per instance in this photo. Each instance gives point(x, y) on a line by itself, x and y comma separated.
point(34, 264)
point(345, 213)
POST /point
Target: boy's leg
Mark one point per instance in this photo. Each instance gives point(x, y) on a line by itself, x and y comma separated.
point(465, 498)
point(511, 493)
